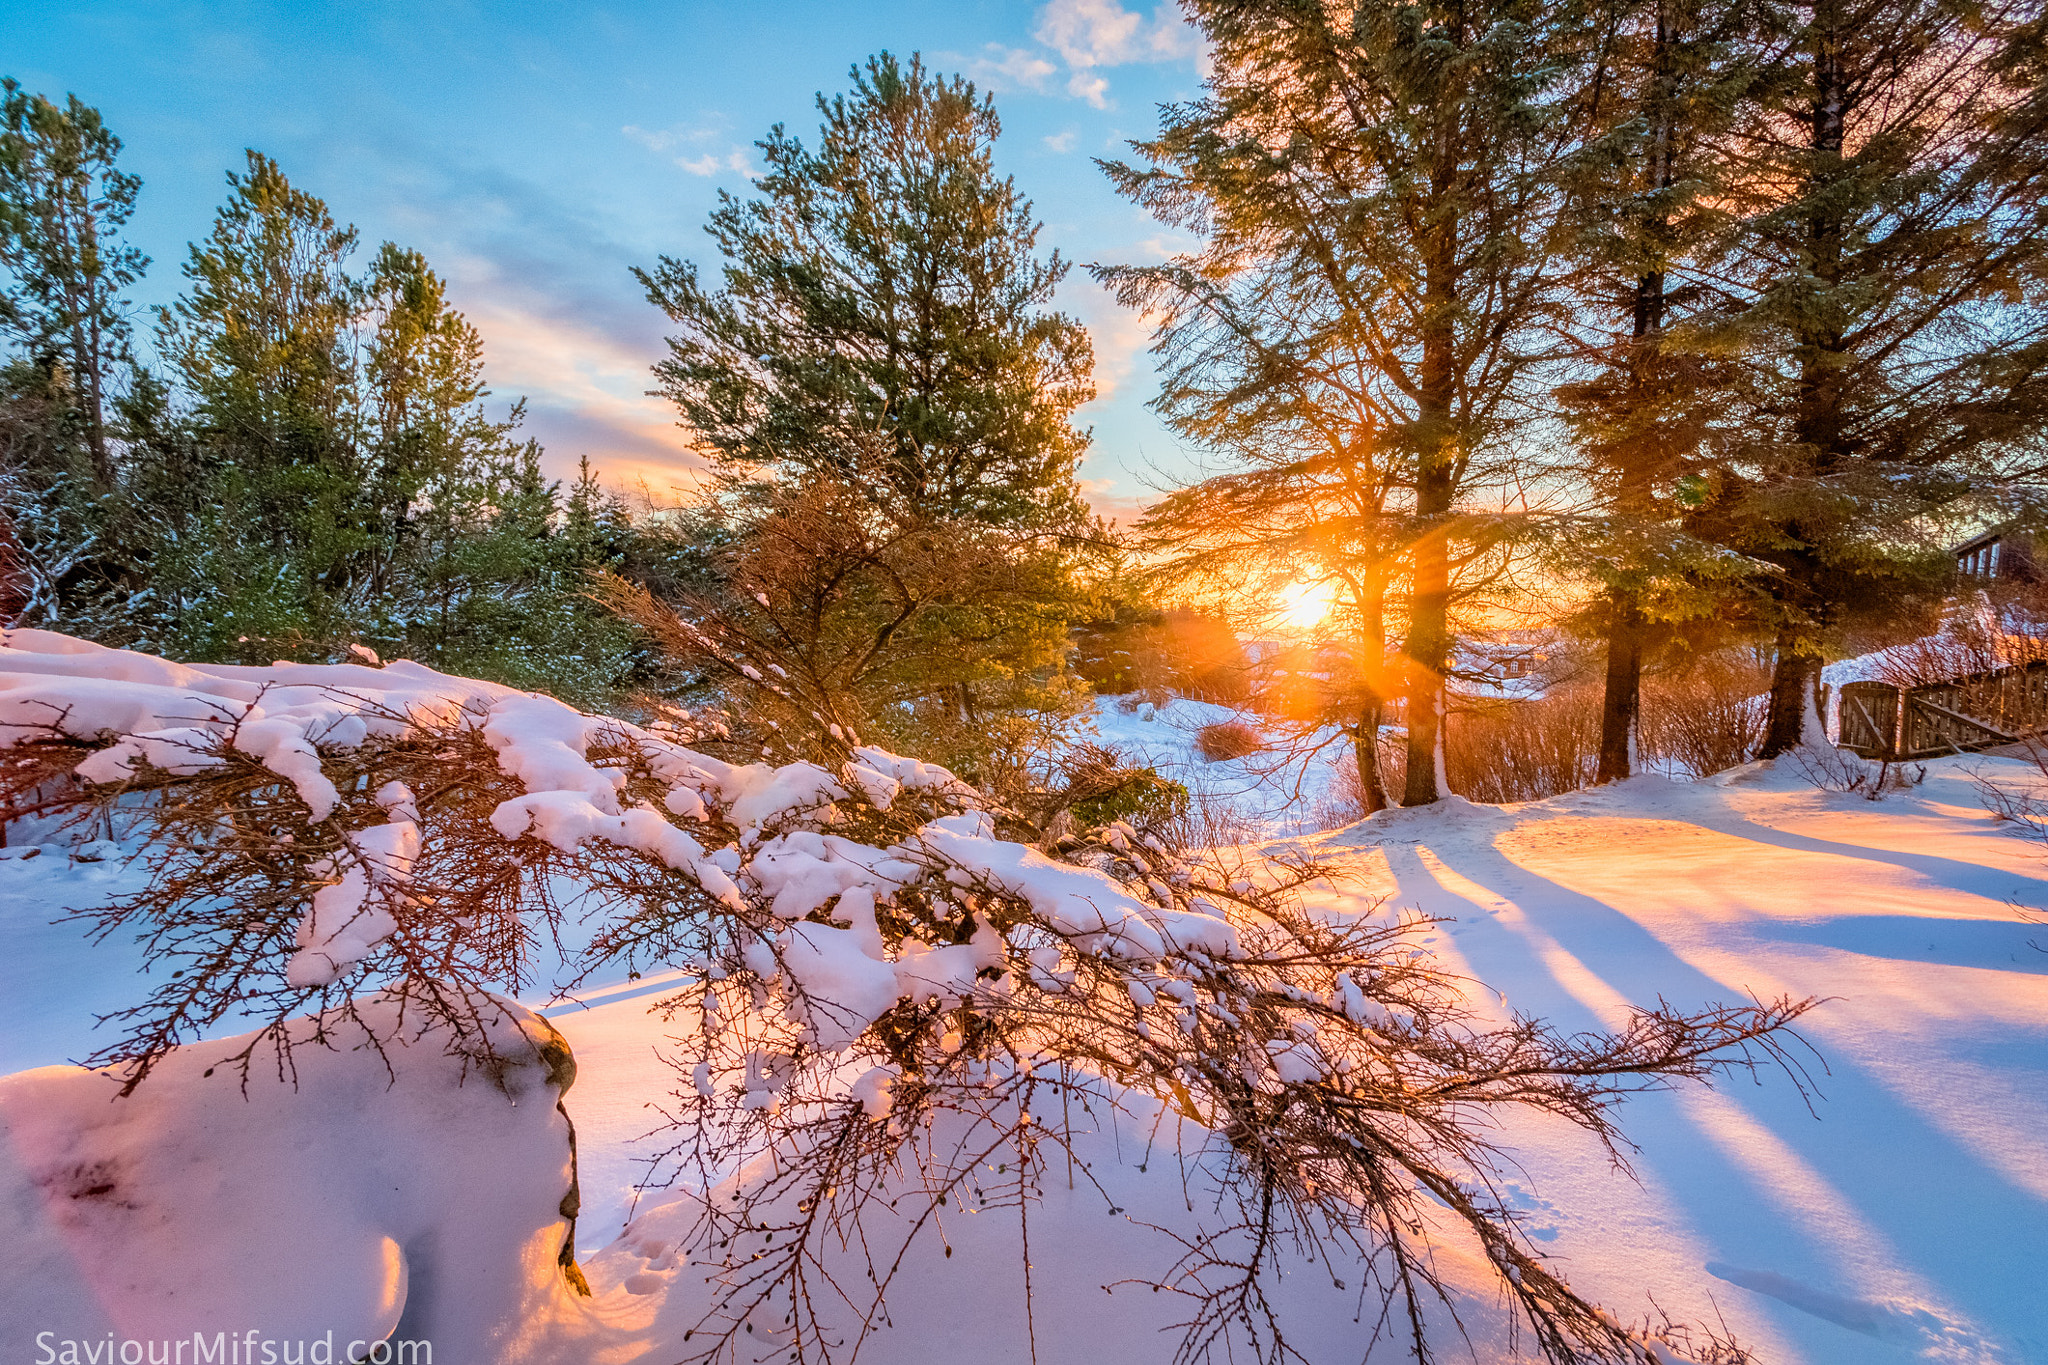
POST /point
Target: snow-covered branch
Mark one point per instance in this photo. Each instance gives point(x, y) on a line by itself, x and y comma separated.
point(869, 979)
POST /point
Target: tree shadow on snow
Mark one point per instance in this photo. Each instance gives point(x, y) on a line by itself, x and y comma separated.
point(1947, 1216)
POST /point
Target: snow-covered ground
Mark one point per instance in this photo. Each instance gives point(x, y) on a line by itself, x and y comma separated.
point(1272, 792)
point(1903, 1216)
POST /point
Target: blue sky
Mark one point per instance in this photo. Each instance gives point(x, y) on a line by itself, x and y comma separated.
point(535, 152)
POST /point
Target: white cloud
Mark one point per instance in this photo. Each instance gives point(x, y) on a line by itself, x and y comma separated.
point(1061, 142)
point(1087, 34)
point(1009, 68)
point(1084, 86)
point(668, 139)
point(1090, 33)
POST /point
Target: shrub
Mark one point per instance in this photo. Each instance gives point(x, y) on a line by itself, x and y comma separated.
point(1140, 798)
point(1707, 718)
point(1524, 750)
point(1700, 721)
point(2023, 808)
point(1228, 739)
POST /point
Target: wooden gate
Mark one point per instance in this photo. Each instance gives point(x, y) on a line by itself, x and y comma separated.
point(1975, 711)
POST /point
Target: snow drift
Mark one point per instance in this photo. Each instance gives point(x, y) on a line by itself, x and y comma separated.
point(379, 1185)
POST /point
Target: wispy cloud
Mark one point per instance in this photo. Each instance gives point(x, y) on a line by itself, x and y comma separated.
point(1004, 69)
point(1061, 142)
point(1105, 498)
point(586, 393)
point(668, 139)
point(1118, 335)
point(711, 163)
point(1086, 85)
point(543, 278)
point(1087, 35)
point(694, 149)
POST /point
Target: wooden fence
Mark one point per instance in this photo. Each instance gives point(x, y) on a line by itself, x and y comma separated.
point(1975, 711)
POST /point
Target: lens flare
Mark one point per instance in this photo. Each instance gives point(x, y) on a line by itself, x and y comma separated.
point(1304, 606)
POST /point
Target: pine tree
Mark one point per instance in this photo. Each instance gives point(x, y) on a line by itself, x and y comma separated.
point(887, 395)
point(1648, 189)
point(352, 486)
point(1381, 217)
point(886, 282)
point(264, 340)
point(62, 207)
point(1893, 258)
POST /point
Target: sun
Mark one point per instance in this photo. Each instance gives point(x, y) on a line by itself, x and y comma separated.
point(1304, 606)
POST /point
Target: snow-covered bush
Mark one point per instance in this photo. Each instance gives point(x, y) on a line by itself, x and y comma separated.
point(868, 953)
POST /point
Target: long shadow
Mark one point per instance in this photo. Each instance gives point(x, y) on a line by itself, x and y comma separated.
point(1972, 1233)
point(1997, 945)
point(1977, 879)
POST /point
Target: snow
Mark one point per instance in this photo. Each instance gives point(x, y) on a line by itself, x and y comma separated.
point(1269, 793)
point(1900, 1218)
point(344, 1201)
point(546, 745)
point(354, 915)
point(1075, 901)
point(843, 985)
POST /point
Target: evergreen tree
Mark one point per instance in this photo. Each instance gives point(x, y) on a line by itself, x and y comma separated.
point(62, 207)
point(264, 340)
point(1893, 257)
point(353, 487)
point(424, 384)
point(1648, 193)
point(888, 396)
point(1376, 190)
point(886, 282)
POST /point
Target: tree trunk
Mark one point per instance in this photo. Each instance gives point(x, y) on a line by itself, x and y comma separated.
point(95, 406)
point(1372, 661)
point(1792, 682)
point(1622, 701)
point(1621, 704)
point(1818, 420)
point(1365, 748)
point(1428, 647)
point(1436, 454)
